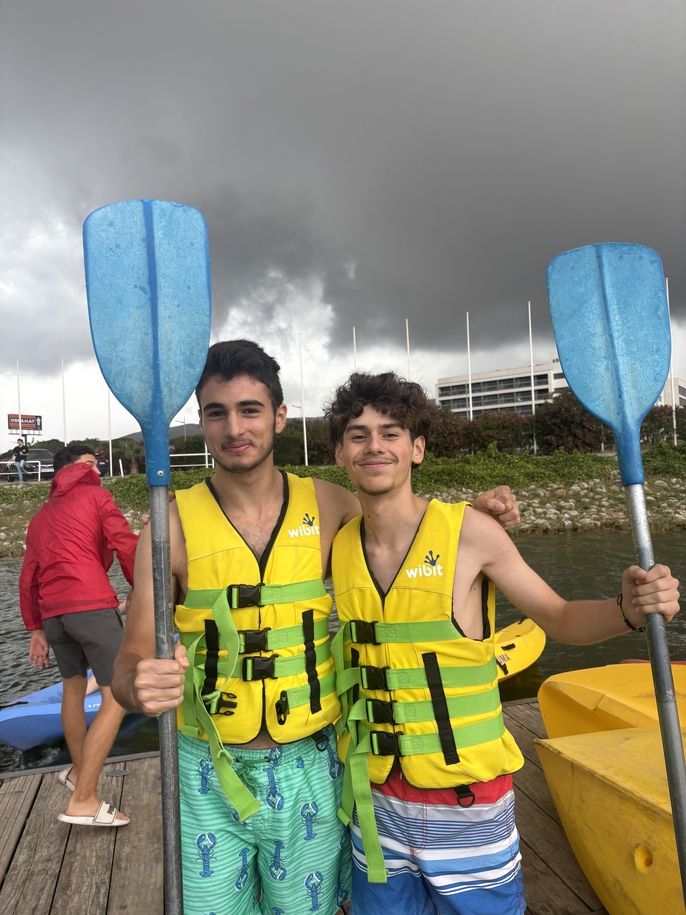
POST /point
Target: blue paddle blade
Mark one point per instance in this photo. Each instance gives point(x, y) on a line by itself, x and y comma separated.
point(608, 305)
point(149, 304)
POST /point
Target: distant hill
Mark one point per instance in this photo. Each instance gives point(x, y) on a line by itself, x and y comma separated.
point(175, 432)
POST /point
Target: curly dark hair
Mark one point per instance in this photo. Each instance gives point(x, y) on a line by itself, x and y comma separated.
point(69, 455)
point(230, 358)
point(404, 401)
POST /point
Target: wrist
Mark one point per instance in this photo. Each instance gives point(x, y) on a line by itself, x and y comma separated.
point(626, 619)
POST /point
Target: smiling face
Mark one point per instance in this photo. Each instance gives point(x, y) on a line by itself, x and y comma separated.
point(239, 423)
point(378, 453)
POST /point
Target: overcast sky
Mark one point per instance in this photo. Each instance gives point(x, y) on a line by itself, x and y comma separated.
point(358, 163)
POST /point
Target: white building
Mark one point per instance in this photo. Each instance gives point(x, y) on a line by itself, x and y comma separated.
point(510, 390)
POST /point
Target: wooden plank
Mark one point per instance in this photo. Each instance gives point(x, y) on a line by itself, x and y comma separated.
point(44, 770)
point(16, 800)
point(32, 876)
point(525, 740)
point(546, 893)
point(137, 871)
point(528, 715)
point(530, 780)
point(84, 882)
point(547, 839)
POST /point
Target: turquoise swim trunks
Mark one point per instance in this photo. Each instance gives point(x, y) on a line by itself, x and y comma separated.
point(290, 858)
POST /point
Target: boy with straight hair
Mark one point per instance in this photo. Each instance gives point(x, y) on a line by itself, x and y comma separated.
point(428, 761)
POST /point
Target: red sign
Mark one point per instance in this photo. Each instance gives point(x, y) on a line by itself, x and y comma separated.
point(29, 422)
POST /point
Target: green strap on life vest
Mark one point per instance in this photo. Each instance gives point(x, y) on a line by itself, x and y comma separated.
point(283, 667)
point(275, 639)
point(402, 712)
point(415, 677)
point(359, 631)
point(200, 599)
point(194, 710)
point(357, 791)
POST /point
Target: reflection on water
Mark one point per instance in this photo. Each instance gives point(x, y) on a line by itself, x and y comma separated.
point(576, 565)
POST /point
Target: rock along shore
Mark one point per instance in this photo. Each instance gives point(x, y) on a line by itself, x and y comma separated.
point(545, 509)
point(592, 505)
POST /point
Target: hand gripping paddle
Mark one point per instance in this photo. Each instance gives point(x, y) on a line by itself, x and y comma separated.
point(148, 286)
point(611, 322)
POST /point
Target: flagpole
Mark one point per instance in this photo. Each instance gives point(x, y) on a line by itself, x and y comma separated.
point(407, 338)
point(302, 398)
point(469, 371)
point(109, 427)
point(19, 400)
point(354, 350)
point(533, 392)
point(64, 406)
point(675, 437)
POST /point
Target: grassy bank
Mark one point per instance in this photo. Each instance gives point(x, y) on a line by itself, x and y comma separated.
point(557, 492)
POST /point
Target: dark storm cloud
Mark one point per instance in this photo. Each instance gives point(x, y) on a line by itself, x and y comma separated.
point(421, 159)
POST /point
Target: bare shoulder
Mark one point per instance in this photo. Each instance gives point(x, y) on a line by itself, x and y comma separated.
point(482, 535)
point(337, 505)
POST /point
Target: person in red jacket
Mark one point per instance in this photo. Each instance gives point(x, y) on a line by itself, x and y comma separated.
point(68, 604)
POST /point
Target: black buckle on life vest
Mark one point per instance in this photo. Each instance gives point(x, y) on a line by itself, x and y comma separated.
point(363, 632)
point(384, 743)
point(373, 677)
point(257, 668)
point(239, 596)
point(254, 639)
point(282, 707)
point(226, 704)
point(380, 712)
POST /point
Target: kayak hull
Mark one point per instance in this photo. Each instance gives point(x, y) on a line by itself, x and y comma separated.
point(605, 698)
point(610, 790)
point(517, 647)
point(35, 718)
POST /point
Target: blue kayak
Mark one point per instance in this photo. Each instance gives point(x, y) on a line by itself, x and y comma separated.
point(35, 719)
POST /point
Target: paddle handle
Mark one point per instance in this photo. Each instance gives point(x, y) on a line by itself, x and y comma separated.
point(157, 463)
point(164, 643)
point(661, 666)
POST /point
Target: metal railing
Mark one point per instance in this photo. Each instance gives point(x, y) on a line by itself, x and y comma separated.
point(9, 472)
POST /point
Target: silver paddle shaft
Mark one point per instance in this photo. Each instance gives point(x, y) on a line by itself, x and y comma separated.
point(164, 648)
point(661, 666)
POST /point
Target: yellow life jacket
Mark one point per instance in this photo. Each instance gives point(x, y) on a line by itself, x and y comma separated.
point(257, 632)
point(413, 689)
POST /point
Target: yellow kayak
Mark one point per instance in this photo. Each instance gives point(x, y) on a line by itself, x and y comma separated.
point(605, 698)
point(517, 646)
point(610, 790)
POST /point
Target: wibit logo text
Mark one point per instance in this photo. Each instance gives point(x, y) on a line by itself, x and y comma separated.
point(429, 568)
point(307, 529)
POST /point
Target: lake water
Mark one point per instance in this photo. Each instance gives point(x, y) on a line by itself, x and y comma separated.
point(577, 565)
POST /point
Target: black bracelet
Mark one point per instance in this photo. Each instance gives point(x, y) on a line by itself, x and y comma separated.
point(628, 622)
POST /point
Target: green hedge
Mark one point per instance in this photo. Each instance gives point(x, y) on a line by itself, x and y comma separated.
point(472, 471)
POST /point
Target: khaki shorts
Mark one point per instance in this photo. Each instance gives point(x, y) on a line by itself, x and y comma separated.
point(90, 638)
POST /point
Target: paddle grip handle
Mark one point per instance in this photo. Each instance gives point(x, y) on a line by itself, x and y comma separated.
point(164, 642)
point(631, 467)
point(157, 465)
point(665, 694)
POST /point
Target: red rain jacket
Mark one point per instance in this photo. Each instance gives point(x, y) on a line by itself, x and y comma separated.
point(69, 548)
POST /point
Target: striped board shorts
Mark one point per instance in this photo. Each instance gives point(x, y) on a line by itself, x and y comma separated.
point(443, 853)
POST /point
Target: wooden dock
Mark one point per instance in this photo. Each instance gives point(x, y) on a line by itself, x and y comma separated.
point(50, 868)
